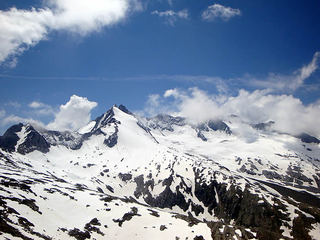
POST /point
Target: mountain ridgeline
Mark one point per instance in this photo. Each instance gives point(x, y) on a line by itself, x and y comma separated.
point(163, 177)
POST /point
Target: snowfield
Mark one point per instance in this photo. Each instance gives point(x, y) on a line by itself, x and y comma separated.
point(121, 177)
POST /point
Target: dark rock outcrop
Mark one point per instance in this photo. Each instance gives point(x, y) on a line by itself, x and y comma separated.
point(112, 140)
point(219, 126)
point(33, 141)
point(306, 138)
point(263, 126)
point(214, 125)
point(10, 138)
point(124, 109)
point(166, 122)
point(68, 139)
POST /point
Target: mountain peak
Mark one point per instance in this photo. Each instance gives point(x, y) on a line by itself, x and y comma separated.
point(124, 109)
point(23, 139)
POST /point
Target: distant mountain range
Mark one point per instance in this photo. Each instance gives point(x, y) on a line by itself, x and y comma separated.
point(127, 177)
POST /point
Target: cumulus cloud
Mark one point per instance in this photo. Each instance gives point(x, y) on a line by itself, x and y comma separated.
point(171, 16)
point(219, 11)
point(288, 82)
point(22, 29)
point(289, 113)
point(194, 104)
point(73, 115)
point(85, 16)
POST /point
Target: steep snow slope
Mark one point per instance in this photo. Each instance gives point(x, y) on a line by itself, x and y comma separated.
point(163, 178)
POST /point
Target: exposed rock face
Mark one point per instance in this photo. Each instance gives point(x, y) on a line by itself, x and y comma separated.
point(103, 120)
point(306, 138)
point(215, 126)
point(33, 141)
point(219, 126)
point(201, 136)
point(263, 126)
point(212, 125)
point(10, 138)
point(166, 122)
point(112, 140)
point(66, 138)
point(124, 109)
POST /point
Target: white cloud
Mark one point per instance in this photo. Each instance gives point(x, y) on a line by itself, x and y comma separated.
point(152, 105)
point(73, 115)
point(41, 108)
point(289, 113)
point(170, 2)
point(2, 113)
point(171, 16)
point(155, 104)
point(194, 104)
point(153, 100)
point(219, 11)
point(21, 29)
point(307, 70)
point(85, 16)
point(288, 82)
point(36, 104)
point(172, 92)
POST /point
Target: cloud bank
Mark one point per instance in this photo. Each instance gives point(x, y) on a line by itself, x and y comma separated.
point(22, 29)
point(289, 113)
point(216, 11)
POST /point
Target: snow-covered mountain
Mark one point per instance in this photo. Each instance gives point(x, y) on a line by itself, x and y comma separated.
point(127, 177)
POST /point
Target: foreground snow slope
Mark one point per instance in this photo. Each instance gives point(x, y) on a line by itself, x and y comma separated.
point(123, 177)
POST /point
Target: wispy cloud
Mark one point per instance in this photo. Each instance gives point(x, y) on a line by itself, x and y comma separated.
point(2, 113)
point(170, 2)
point(274, 82)
point(219, 11)
point(22, 29)
point(287, 83)
point(40, 108)
point(171, 16)
point(13, 104)
point(13, 119)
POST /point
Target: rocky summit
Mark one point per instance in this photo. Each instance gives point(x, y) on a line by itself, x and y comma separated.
point(127, 177)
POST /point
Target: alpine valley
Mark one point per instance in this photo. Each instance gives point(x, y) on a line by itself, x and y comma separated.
point(128, 177)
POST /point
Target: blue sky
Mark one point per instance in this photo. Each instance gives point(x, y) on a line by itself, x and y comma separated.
point(131, 52)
